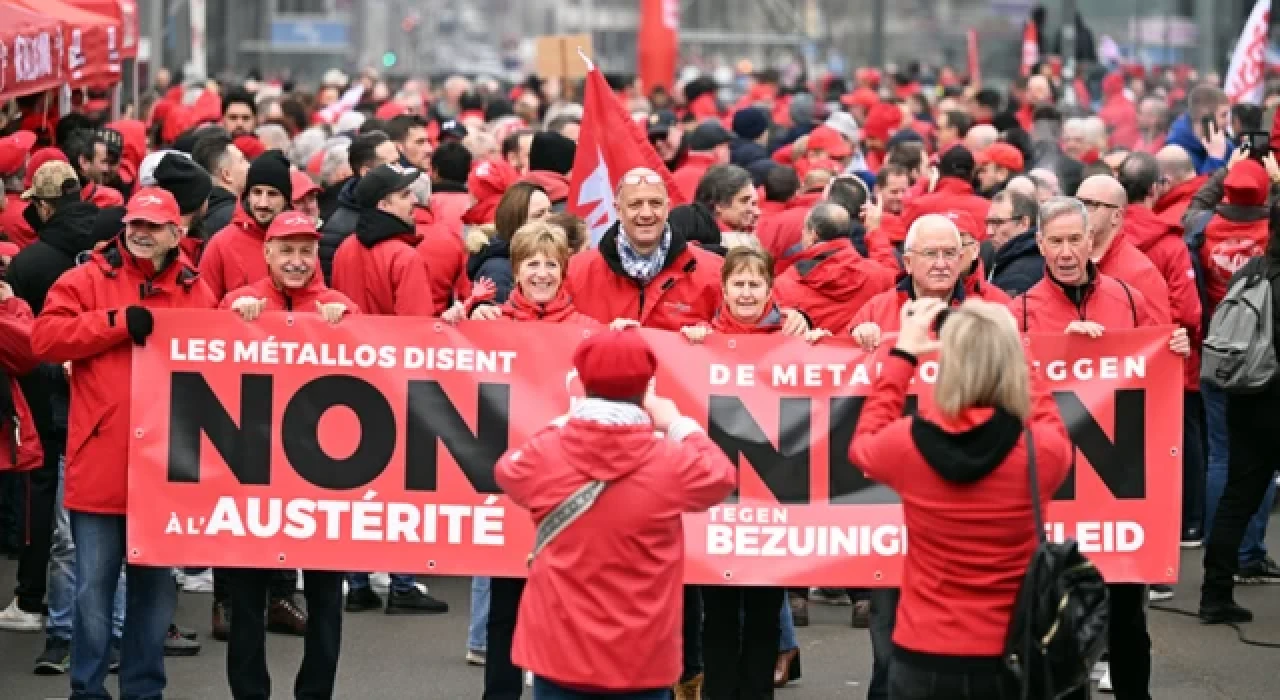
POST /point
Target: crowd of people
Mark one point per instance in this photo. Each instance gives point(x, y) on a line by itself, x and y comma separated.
point(852, 210)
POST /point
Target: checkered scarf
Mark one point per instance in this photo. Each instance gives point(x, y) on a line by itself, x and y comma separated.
point(643, 268)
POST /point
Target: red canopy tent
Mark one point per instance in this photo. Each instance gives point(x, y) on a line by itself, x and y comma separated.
point(30, 52)
point(125, 13)
point(92, 54)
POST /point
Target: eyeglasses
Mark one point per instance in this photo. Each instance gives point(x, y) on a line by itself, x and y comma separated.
point(640, 179)
point(947, 254)
point(1095, 204)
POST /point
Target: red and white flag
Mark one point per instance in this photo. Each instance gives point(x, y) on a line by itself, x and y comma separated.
point(1247, 75)
point(659, 43)
point(610, 144)
point(1030, 48)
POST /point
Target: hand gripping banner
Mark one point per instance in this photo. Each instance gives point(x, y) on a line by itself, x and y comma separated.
point(369, 446)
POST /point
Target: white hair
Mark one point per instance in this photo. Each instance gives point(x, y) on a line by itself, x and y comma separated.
point(1094, 131)
point(349, 121)
point(1058, 207)
point(306, 145)
point(931, 220)
point(335, 156)
point(274, 137)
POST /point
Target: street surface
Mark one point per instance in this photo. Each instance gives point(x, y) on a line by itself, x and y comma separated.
point(406, 658)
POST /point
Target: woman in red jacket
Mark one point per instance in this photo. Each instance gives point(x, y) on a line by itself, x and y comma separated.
point(741, 624)
point(602, 615)
point(960, 467)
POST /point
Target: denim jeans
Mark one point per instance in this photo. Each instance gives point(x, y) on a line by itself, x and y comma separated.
point(544, 689)
point(477, 639)
point(884, 615)
point(1253, 547)
point(787, 640)
point(400, 583)
point(149, 604)
point(62, 578)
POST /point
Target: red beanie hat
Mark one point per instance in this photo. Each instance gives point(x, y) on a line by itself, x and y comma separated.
point(251, 146)
point(615, 365)
point(487, 183)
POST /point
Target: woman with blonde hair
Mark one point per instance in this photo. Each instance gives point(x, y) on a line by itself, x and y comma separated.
point(489, 245)
point(961, 469)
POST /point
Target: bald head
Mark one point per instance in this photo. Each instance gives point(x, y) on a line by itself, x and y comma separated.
point(1022, 185)
point(1105, 199)
point(1175, 164)
point(980, 137)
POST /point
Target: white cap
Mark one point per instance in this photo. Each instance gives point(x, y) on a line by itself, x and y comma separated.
point(844, 123)
point(147, 169)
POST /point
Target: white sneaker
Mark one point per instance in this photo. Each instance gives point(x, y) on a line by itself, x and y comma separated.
point(1099, 670)
point(199, 583)
point(1104, 684)
point(528, 678)
point(380, 583)
point(15, 619)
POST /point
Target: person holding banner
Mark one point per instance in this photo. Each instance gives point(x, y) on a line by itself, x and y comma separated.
point(617, 491)
point(90, 315)
point(967, 561)
point(1076, 297)
point(293, 283)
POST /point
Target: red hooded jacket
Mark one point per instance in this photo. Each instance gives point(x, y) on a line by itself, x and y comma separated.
point(556, 185)
point(83, 322)
point(445, 254)
point(379, 268)
point(950, 194)
point(883, 309)
point(1118, 113)
point(296, 300)
point(450, 207)
point(558, 310)
point(778, 233)
point(769, 322)
point(1125, 262)
point(830, 283)
point(684, 293)
point(968, 508)
point(1174, 203)
point(101, 196)
point(1238, 229)
point(628, 547)
point(234, 257)
point(1164, 246)
point(1107, 301)
point(13, 223)
point(20, 448)
point(687, 176)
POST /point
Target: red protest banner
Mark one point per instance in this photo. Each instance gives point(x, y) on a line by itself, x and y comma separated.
point(370, 447)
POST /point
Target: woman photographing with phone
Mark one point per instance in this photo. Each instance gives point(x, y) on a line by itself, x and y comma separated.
point(961, 469)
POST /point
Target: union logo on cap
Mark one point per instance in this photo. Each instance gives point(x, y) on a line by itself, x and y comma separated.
point(297, 219)
point(148, 200)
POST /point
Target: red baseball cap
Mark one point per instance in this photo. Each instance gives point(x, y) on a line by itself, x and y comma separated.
point(1002, 154)
point(291, 224)
point(303, 185)
point(154, 205)
point(14, 150)
point(965, 223)
point(829, 141)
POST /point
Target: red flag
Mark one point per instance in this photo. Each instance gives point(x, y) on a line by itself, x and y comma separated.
point(659, 43)
point(1030, 48)
point(610, 144)
point(975, 62)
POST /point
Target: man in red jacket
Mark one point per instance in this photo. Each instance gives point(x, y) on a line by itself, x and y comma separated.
point(777, 233)
point(952, 192)
point(233, 257)
point(89, 317)
point(86, 150)
point(643, 269)
point(708, 146)
point(1115, 256)
point(1179, 175)
point(293, 283)
point(627, 539)
point(829, 281)
point(1077, 298)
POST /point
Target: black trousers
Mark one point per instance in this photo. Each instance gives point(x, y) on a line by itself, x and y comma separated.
point(41, 491)
point(1193, 464)
point(502, 680)
point(283, 583)
point(1128, 643)
point(692, 633)
point(884, 618)
point(246, 646)
point(908, 681)
point(740, 630)
point(1250, 467)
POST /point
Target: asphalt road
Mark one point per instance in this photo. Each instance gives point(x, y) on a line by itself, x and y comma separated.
point(398, 658)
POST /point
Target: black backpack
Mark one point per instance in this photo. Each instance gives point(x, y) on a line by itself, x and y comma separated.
point(1059, 625)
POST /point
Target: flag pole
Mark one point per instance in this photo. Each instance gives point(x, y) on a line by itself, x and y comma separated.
point(590, 66)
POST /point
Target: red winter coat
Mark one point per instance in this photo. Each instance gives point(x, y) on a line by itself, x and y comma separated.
point(12, 222)
point(684, 293)
point(234, 257)
point(556, 185)
point(446, 256)
point(449, 207)
point(1163, 245)
point(295, 300)
point(1228, 245)
point(830, 282)
point(558, 310)
point(83, 322)
point(1173, 204)
point(101, 196)
point(20, 448)
point(951, 194)
point(1125, 262)
point(884, 242)
point(687, 176)
point(769, 322)
point(1113, 304)
point(603, 607)
point(778, 233)
point(381, 270)
point(968, 509)
point(883, 309)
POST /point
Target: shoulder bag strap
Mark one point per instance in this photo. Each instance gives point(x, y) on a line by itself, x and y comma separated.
point(1034, 479)
point(569, 510)
point(1133, 308)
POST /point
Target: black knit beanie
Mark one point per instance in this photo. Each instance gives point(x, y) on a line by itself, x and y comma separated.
point(185, 180)
point(270, 169)
point(551, 151)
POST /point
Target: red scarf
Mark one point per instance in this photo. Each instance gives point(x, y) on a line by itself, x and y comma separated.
point(769, 322)
point(558, 310)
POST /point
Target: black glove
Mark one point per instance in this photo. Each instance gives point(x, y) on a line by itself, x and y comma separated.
point(138, 320)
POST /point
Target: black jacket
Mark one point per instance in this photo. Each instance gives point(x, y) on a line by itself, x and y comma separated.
point(60, 239)
point(1018, 265)
point(338, 226)
point(743, 153)
point(494, 262)
point(222, 206)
